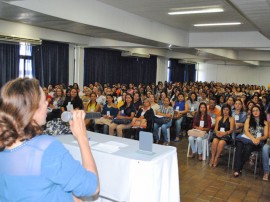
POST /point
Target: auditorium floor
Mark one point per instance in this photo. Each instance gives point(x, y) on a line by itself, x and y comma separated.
point(199, 182)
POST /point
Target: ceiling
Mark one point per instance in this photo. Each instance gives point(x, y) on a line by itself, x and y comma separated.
point(253, 14)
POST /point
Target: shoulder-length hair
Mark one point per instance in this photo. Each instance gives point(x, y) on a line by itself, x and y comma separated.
point(262, 118)
point(226, 106)
point(18, 103)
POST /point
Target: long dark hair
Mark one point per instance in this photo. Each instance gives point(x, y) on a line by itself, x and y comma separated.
point(199, 114)
point(262, 118)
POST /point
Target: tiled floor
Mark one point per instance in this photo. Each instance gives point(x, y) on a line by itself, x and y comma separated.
point(199, 182)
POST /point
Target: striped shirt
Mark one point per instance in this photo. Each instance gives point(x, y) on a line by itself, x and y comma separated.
point(165, 110)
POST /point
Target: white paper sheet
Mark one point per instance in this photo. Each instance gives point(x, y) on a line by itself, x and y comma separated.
point(118, 144)
point(106, 148)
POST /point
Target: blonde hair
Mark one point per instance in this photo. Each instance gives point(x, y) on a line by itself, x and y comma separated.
point(18, 103)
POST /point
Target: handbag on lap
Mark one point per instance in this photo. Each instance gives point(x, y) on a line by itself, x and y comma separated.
point(121, 121)
point(196, 133)
point(139, 123)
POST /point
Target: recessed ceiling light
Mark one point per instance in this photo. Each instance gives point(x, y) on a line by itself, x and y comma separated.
point(218, 24)
point(209, 10)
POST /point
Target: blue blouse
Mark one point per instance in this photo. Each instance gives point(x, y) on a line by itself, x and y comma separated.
point(41, 169)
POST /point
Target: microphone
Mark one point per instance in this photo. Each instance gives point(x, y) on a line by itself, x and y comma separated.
point(66, 116)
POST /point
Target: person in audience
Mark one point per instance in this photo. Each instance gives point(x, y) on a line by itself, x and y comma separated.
point(202, 122)
point(86, 97)
point(266, 151)
point(256, 131)
point(137, 101)
point(51, 91)
point(48, 97)
point(240, 117)
point(58, 102)
point(163, 95)
point(221, 101)
point(193, 106)
point(74, 100)
point(127, 113)
point(230, 101)
point(213, 111)
point(174, 95)
point(265, 159)
point(154, 105)
point(250, 104)
point(265, 103)
point(255, 99)
point(145, 112)
point(121, 100)
point(34, 165)
point(203, 98)
point(92, 106)
point(180, 108)
point(165, 111)
point(101, 99)
point(224, 128)
point(130, 89)
point(108, 113)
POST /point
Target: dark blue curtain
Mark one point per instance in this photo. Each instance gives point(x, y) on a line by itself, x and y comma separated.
point(180, 72)
point(108, 66)
point(9, 62)
point(50, 63)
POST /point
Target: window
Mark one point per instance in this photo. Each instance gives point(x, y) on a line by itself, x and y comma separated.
point(169, 71)
point(25, 66)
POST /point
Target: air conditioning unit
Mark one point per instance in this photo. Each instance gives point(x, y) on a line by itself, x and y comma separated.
point(17, 39)
point(137, 55)
point(186, 61)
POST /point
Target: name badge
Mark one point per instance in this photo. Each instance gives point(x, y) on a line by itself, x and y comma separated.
point(55, 103)
point(122, 112)
point(192, 109)
point(222, 129)
point(108, 113)
point(177, 108)
point(202, 124)
point(236, 117)
point(91, 110)
point(259, 134)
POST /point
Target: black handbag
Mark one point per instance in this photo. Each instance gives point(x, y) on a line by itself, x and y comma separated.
point(161, 120)
point(121, 121)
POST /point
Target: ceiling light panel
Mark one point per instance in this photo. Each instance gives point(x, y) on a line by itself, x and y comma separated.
point(185, 12)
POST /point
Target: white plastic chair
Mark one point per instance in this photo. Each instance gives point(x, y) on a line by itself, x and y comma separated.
point(168, 133)
point(205, 147)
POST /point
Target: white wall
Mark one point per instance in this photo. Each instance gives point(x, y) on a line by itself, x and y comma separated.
point(233, 74)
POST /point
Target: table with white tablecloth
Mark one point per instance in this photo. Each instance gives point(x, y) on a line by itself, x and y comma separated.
point(127, 174)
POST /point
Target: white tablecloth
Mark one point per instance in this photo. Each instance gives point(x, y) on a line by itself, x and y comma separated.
point(126, 174)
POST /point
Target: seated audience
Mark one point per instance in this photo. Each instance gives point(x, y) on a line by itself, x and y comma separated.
point(147, 113)
point(124, 117)
point(154, 105)
point(193, 106)
point(202, 122)
point(58, 102)
point(180, 108)
point(92, 106)
point(240, 117)
point(166, 111)
point(108, 113)
point(224, 128)
point(74, 100)
point(137, 101)
point(265, 159)
point(256, 132)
